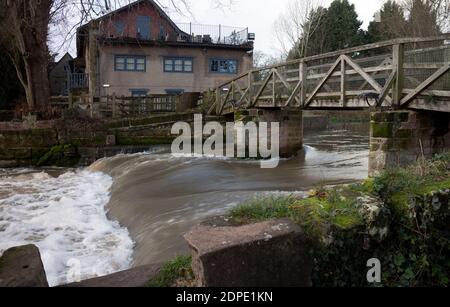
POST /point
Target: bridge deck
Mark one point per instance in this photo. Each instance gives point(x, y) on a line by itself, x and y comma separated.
point(398, 74)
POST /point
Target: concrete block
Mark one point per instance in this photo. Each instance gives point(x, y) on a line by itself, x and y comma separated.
point(22, 267)
point(267, 254)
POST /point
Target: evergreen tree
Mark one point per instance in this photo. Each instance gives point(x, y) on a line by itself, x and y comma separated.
point(423, 19)
point(391, 23)
point(336, 28)
point(341, 26)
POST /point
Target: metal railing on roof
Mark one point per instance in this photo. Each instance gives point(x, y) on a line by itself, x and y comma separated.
point(214, 34)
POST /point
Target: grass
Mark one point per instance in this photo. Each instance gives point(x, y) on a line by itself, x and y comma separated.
point(396, 186)
point(177, 270)
point(314, 213)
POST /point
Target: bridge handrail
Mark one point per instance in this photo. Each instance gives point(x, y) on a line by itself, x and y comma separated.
point(383, 44)
point(398, 73)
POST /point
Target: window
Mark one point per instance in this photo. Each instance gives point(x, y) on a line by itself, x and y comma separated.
point(130, 63)
point(178, 65)
point(174, 91)
point(223, 66)
point(162, 32)
point(143, 27)
point(139, 92)
point(120, 27)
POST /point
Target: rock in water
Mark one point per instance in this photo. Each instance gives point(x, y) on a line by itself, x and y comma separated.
point(267, 254)
point(22, 267)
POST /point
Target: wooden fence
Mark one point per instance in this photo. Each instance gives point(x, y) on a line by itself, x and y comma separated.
point(119, 106)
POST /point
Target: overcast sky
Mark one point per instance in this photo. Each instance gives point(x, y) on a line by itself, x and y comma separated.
point(260, 15)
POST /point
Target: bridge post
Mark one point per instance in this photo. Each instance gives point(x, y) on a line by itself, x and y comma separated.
point(401, 137)
point(303, 69)
point(397, 66)
point(291, 126)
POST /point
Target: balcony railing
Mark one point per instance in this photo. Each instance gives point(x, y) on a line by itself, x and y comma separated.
point(78, 81)
point(214, 34)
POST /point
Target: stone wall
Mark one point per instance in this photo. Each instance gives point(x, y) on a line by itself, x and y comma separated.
point(24, 144)
point(401, 137)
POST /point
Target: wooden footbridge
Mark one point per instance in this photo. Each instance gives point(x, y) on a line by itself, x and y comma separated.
point(411, 73)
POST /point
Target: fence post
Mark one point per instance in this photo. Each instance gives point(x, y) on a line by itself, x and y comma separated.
point(303, 78)
point(114, 106)
point(70, 100)
point(91, 105)
point(218, 101)
point(398, 59)
point(343, 88)
point(176, 102)
point(250, 87)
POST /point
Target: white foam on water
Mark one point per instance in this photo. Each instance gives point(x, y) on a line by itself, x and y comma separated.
point(66, 218)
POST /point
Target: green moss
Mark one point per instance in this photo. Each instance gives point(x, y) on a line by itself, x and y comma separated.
point(61, 156)
point(382, 130)
point(434, 187)
point(172, 271)
point(347, 221)
point(37, 153)
point(399, 203)
point(366, 187)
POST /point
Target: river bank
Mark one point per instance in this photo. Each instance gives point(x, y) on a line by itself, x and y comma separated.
point(399, 218)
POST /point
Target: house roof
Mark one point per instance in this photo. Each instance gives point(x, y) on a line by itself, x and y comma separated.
point(66, 57)
point(137, 3)
point(81, 31)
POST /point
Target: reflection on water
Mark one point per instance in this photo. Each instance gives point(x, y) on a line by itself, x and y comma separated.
point(159, 197)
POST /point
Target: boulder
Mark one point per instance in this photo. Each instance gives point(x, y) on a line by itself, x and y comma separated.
point(267, 254)
point(22, 267)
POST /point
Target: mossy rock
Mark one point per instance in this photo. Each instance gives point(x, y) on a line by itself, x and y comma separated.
point(382, 130)
point(61, 156)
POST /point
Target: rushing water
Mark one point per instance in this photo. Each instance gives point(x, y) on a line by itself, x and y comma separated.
point(64, 215)
point(156, 197)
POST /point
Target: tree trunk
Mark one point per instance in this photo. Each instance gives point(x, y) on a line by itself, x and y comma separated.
point(36, 68)
point(27, 24)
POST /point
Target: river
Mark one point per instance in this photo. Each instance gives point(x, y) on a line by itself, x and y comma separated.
point(131, 210)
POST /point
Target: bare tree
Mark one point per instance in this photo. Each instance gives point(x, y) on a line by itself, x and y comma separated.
point(442, 7)
point(261, 59)
point(25, 28)
point(296, 26)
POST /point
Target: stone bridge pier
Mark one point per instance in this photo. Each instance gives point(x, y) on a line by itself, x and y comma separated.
point(290, 123)
point(402, 137)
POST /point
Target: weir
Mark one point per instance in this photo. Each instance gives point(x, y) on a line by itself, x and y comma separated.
point(405, 83)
